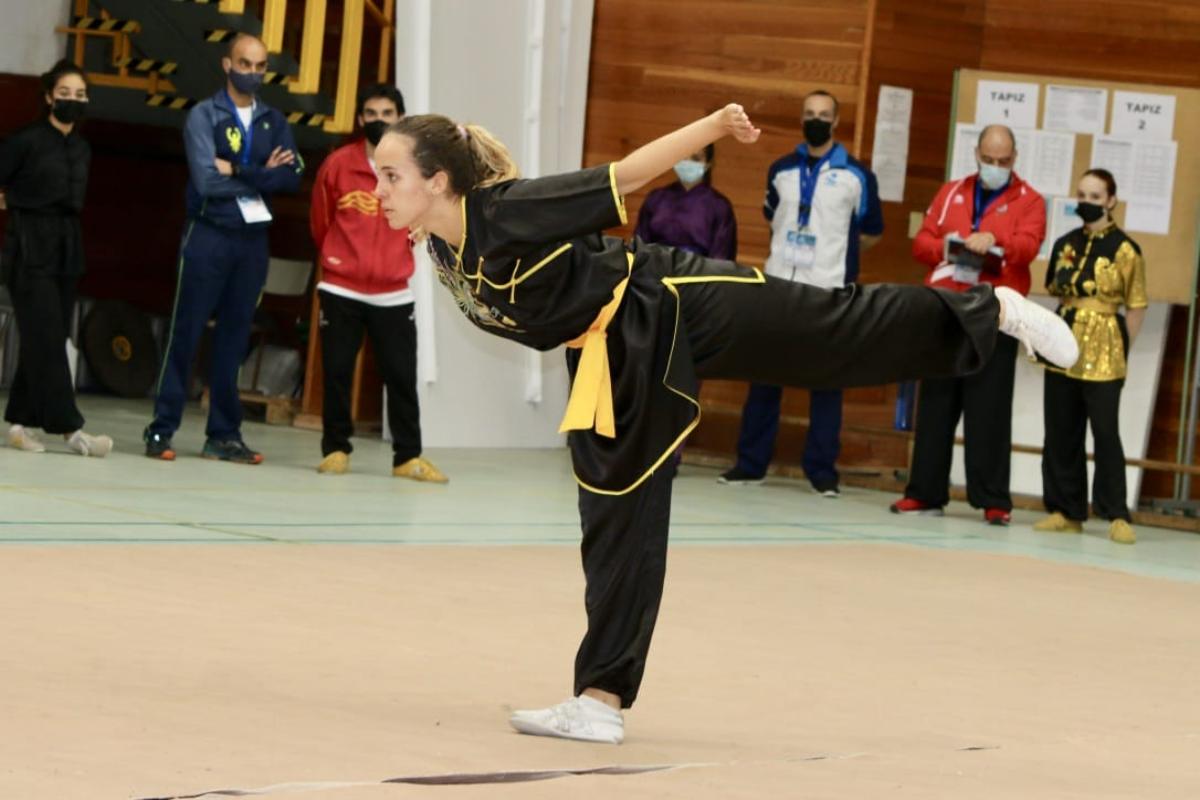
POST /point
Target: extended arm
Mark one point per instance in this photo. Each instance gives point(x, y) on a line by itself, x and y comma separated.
point(651, 160)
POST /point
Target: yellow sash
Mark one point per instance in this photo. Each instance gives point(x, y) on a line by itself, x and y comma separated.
point(591, 401)
point(1091, 304)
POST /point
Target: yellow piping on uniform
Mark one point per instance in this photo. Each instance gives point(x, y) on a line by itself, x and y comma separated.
point(516, 279)
point(671, 284)
point(620, 201)
point(462, 245)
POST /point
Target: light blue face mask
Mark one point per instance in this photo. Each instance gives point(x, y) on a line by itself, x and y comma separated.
point(690, 171)
point(993, 177)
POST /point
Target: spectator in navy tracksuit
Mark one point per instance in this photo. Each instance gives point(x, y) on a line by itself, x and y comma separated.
point(240, 152)
point(823, 206)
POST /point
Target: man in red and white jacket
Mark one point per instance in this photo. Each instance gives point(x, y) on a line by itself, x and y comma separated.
point(365, 267)
point(991, 208)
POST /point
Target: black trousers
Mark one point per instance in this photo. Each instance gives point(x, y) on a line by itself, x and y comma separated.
point(393, 332)
point(984, 400)
point(1069, 406)
point(787, 334)
point(42, 394)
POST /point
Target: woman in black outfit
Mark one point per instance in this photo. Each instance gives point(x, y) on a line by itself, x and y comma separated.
point(43, 179)
point(642, 324)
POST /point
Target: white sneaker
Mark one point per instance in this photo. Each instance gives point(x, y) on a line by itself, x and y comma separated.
point(1038, 328)
point(87, 445)
point(582, 718)
point(22, 438)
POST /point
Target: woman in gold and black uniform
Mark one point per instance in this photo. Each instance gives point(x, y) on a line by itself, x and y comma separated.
point(1094, 269)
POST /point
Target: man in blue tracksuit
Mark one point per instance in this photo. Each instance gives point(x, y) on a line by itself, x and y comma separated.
point(240, 152)
point(823, 206)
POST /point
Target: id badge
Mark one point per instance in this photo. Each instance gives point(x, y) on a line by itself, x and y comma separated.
point(801, 250)
point(967, 275)
point(254, 209)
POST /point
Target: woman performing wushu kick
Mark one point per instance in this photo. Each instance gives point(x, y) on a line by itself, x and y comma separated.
point(642, 323)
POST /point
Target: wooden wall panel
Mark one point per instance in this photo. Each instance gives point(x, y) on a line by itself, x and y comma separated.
point(659, 64)
point(917, 46)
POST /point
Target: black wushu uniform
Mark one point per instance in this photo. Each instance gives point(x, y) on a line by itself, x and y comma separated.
point(643, 324)
point(44, 176)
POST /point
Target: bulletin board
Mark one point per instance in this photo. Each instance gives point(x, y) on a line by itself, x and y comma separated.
point(1171, 258)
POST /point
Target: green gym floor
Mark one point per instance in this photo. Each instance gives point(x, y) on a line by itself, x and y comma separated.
point(176, 629)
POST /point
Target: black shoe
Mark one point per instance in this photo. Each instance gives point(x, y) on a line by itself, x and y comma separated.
point(234, 450)
point(158, 446)
point(736, 477)
point(827, 489)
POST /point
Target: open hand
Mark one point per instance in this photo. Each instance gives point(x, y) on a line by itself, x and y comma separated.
point(736, 122)
point(280, 157)
point(224, 167)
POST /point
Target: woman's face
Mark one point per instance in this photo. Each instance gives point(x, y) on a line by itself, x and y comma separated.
point(1093, 190)
point(699, 157)
point(69, 87)
point(405, 194)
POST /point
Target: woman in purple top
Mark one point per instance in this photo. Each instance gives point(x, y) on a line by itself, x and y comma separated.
point(690, 214)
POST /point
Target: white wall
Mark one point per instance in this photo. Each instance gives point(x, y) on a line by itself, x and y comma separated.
point(28, 43)
point(483, 61)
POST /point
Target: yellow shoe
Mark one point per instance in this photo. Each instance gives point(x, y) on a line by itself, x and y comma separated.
point(1057, 523)
point(418, 469)
point(336, 463)
point(1121, 532)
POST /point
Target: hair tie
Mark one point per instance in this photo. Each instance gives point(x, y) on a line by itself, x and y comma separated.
point(463, 132)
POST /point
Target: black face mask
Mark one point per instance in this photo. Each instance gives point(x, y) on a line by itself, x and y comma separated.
point(817, 131)
point(1090, 212)
point(68, 112)
point(374, 130)
point(247, 83)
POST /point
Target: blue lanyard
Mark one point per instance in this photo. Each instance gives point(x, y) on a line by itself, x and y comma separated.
point(980, 205)
point(247, 133)
point(808, 182)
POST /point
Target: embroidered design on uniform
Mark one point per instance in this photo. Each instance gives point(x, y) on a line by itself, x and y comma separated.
point(358, 200)
point(234, 137)
point(470, 305)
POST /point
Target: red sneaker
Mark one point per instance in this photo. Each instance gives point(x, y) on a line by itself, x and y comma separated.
point(907, 505)
point(997, 516)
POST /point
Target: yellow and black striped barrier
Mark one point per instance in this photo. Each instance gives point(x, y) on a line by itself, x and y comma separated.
point(148, 65)
point(98, 25)
point(219, 36)
point(227, 6)
point(174, 102)
point(306, 119)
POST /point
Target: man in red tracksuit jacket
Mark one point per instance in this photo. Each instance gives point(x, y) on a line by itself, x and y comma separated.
point(991, 208)
point(365, 267)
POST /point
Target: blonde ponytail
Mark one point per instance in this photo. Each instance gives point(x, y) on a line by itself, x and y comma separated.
point(493, 163)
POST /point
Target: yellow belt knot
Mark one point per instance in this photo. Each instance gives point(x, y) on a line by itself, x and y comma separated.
point(590, 405)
